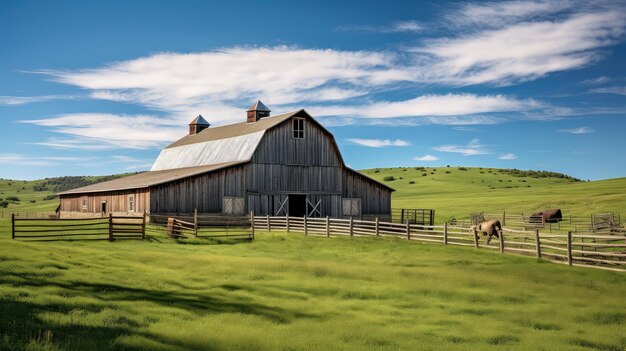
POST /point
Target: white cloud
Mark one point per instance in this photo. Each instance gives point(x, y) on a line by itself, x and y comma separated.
point(23, 100)
point(521, 50)
point(579, 130)
point(426, 158)
point(610, 90)
point(395, 27)
point(596, 81)
point(431, 105)
point(13, 159)
point(474, 147)
point(379, 142)
point(507, 156)
point(105, 131)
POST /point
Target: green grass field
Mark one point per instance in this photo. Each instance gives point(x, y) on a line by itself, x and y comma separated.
point(289, 292)
point(460, 192)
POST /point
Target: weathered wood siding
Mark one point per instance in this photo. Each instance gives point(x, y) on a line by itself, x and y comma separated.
point(375, 198)
point(117, 201)
point(204, 192)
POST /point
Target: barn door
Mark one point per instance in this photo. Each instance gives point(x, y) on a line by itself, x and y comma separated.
point(351, 207)
point(281, 205)
point(314, 208)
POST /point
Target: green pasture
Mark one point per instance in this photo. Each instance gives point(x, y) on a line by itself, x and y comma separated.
point(289, 292)
point(458, 193)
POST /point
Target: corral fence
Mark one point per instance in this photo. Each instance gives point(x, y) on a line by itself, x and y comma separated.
point(108, 228)
point(599, 223)
point(196, 225)
point(413, 215)
point(598, 251)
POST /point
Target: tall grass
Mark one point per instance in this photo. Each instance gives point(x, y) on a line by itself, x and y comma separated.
point(288, 292)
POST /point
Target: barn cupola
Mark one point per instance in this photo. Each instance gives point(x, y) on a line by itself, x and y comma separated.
point(197, 125)
point(257, 111)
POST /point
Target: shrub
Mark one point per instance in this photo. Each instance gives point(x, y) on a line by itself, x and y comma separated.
point(401, 178)
point(404, 170)
point(13, 198)
point(32, 201)
point(377, 171)
point(447, 172)
point(389, 178)
point(51, 197)
point(462, 169)
point(411, 182)
point(481, 172)
point(4, 204)
point(424, 174)
point(432, 172)
point(448, 166)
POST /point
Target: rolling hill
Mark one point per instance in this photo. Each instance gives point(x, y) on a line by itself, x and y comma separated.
point(451, 191)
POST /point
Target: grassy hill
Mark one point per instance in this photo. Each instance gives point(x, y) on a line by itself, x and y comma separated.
point(457, 191)
point(451, 191)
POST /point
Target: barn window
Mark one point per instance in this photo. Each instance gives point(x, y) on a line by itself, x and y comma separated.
point(131, 203)
point(298, 128)
point(85, 203)
point(351, 207)
point(233, 205)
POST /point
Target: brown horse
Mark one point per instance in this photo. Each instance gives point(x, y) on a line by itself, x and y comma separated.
point(491, 228)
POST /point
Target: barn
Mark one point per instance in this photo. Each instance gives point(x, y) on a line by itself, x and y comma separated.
point(287, 164)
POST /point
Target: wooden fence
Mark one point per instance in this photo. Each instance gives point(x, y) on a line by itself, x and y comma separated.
point(202, 226)
point(598, 251)
point(108, 228)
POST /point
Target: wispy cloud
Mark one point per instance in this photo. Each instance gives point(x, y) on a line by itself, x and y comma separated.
point(596, 81)
point(379, 142)
point(579, 130)
point(426, 158)
point(507, 156)
point(14, 159)
point(474, 147)
point(395, 27)
point(102, 131)
point(23, 100)
point(618, 90)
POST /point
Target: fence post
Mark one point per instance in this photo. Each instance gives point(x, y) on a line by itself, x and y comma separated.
point(569, 248)
point(252, 223)
point(306, 231)
point(12, 225)
point(195, 222)
point(287, 222)
point(269, 225)
point(351, 227)
point(402, 216)
point(110, 226)
point(327, 227)
point(143, 226)
point(377, 227)
point(445, 233)
point(408, 230)
point(475, 237)
point(501, 241)
point(538, 245)
point(504, 218)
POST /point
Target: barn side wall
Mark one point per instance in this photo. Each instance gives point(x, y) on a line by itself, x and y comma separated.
point(116, 201)
point(375, 198)
point(204, 192)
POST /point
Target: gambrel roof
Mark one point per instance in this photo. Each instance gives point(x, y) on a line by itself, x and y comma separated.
point(211, 149)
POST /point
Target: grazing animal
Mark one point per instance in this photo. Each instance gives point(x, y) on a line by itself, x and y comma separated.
point(547, 216)
point(490, 228)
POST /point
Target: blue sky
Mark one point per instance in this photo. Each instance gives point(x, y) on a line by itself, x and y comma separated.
point(90, 88)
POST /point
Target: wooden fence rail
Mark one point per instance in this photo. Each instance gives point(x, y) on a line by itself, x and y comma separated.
point(598, 251)
point(108, 228)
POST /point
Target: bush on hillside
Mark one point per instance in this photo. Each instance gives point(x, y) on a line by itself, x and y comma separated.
point(51, 197)
point(389, 178)
point(412, 182)
point(4, 204)
point(462, 169)
point(424, 174)
point(13, 198)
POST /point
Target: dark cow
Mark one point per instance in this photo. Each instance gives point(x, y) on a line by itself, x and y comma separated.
point(490, 228)
point(547, 216)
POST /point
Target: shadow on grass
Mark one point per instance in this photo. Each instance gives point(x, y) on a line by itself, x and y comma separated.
point(20, 322)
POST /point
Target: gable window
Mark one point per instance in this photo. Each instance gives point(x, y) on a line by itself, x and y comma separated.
point(131, 203)
point(298, 128)
point(85, 203)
